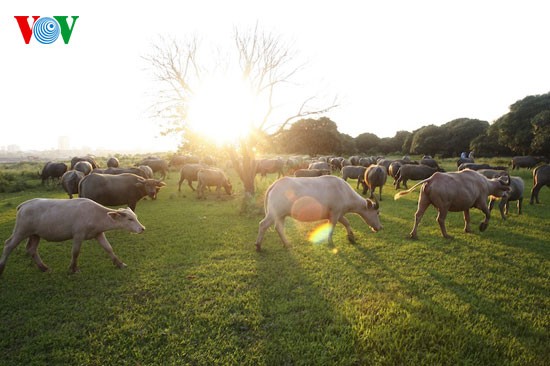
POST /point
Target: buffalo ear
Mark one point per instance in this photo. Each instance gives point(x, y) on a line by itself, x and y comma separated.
point(113, 214)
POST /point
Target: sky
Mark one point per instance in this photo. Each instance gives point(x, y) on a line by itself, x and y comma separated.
point(392, 65)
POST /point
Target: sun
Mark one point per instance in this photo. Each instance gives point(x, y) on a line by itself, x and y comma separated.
point(223, 109)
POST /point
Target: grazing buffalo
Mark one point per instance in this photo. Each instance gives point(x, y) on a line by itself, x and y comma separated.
point(464, 160)
point(61, 219)
point(354, 172)
point(413, 172)
point(212, 178)
point(375, 176)
point(431, 162)
point(52, 171)
point(90, 159)
point(70, 181)
point(313, 199)
point(456, 191)
point(515, 194)
point(526, 161)
point(120, 189)
point(319, 165)
point(266, 166)
point(157, 165)
point(311, 172)
point(84, 167)
point(112, 162)
point(541, 178)
point(148, 172)
point(189, 172)
point(177, 161)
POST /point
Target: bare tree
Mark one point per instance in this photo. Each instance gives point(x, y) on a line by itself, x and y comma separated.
point(265, 62)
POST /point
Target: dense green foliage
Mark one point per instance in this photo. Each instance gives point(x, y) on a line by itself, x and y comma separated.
point(196, 293)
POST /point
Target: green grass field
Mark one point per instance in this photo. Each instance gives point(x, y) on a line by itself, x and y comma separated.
point(196, 292)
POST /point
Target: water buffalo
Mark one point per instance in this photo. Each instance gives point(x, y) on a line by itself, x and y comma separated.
point(515, 194)
point(354, 172)
point(61, 219)
point(115, 171)
point(541, 178)
point(311, 172)
point(70, 181)
point(212, 178)
point(90, 159)
point(413, 172)
point(120, 189)
point(157, 165)
point(464, 160)
point(112, 162)
point(84, 167)
point(52, 171)
point(456, 191)
point(431, 162)
point(375, 176)
point(313, 199)
point(266, 166)
point(189, 172)
point(526, 161)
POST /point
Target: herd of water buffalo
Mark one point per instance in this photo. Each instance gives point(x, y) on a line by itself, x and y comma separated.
point(308, 192)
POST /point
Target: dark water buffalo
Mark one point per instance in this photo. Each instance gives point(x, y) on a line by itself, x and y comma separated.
point(189, 172)
point(157, 165)
point(375, 176)
point(354, 172)
point(266, 166)
point(454, 192)
point(314, 199)
point(177, 161)
point(70, 181)
point(121, 189)
point(61, 219)
point(464, 160)
point(52, 171)
point(541, 178)
point(526, 161)
point(515, 194)
point(84, 167)
point(212, 178)
point(311, 172)
point(413, 172)
point(112, 162)
point(90, 159)
point(431, 162)
point(115, 171)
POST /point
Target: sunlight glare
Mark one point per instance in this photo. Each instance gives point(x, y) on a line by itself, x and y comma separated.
point(223, 110)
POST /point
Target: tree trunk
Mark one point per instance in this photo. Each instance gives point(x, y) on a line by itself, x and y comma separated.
point(245, 165)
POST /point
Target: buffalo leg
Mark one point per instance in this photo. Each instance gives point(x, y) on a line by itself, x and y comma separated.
point(467, 228)
point(10, 244)
point(520, 204)
point(279, 226)
point(345, 222)
point(485, 223)
point(535, 193)
point(109, 249)
point(441, 216)
point(264, 225)
point(422, 206)
point(32, 249)
point(77, 243)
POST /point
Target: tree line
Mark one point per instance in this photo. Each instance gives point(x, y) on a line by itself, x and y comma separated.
point(524, 130)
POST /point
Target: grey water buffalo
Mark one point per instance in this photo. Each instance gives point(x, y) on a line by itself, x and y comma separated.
point(517, 187)
point(120, 189)
point(112, 162)
point(84, 167)
point(541, 178)
point(157, 165)
point(311, 172)
point(90, 159)
point(70, 181)
point(323, 165)
point(265, 166)
point(314, 199)
point(212, 178)
point(527, 161)
point(456, 191)
point(375, 176)
point(189, 172)
point(354, 172)
point(464, 160)
point(147, 172)
point(413, 172)
point(52, 171)
point(58, 220)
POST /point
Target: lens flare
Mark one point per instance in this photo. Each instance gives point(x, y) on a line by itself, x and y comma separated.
point(320, 233)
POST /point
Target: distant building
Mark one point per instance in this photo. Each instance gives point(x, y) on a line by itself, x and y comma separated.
point(13, 148)
point(63, 143)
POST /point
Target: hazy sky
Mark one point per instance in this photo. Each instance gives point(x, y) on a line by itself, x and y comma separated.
point(394, 65)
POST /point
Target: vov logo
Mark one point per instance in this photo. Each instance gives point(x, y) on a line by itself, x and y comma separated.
point(46, 30)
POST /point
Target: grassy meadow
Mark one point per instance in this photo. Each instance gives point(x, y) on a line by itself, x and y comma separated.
point(196, 292)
